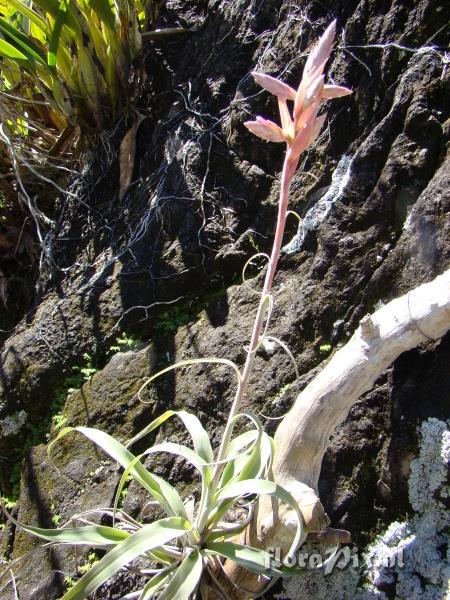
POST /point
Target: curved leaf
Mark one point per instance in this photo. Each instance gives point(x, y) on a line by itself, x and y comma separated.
point(221, 533)
point(241, 443)
point(171, 448)
point(257, 486)
point(22, 42)
point(238, 448)
point(153, 586)
point(149, 537)
point(253, 559)
point(10, 51)
point(186, 578)
point(250, 558)
point(200, 438)
point(162, 491)
point(87, 535)
point(190, 362)
point(249, 464)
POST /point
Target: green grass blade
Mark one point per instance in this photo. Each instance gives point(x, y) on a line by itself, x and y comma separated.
point(9, 51)
point(22, 42)
point(56, 34)
point(186, 578)
point(149, 537)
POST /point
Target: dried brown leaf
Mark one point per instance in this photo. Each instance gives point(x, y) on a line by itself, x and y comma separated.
point(127, 157)
point(3, 288)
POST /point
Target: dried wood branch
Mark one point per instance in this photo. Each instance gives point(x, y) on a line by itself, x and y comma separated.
point(302, 437)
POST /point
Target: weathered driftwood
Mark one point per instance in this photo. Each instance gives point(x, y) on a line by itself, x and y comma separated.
point(303, 435)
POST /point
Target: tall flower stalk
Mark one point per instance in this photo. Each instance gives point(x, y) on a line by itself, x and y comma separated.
point(300, 126)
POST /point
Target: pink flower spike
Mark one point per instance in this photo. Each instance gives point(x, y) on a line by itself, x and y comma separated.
point(274, 86)
point(335, 91)
point(315, 131)
point(303, 87)
point(267, 130)
point(322, 50)
point(285, 116)
point(314, 91)
point(301, 141)
point(306, 117)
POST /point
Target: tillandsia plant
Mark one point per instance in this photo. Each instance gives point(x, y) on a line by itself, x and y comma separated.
point(194, 539)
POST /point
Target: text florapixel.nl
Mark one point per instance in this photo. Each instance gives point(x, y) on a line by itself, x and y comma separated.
point(345, 557)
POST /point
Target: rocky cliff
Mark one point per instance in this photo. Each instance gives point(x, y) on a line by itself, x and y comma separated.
point(134, 284)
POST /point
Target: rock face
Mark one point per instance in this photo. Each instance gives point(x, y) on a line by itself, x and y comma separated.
point(405, 561)
point(164, 264)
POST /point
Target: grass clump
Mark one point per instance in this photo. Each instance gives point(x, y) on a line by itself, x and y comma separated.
point(69, 71)
point(73, 56)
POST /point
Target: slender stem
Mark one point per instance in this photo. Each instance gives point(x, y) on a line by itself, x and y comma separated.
point(286, 177)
